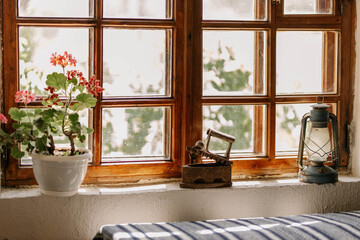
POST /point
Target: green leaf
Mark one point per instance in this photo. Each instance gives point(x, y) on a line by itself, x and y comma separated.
point(77, 107)
point(86, 99)
point(60, 115)
point(40, 143)
point(30, 147)
point(3, 133)
point(49, 113)
point(57, 81)
point(16, 153)
point(81, 88)
point(37, 111)
point(82, 138)
point(16, 125)
point(53, 129)
point(17, 114)
point(75, 127)
point(26, 125)
point(73, 81)
point(40, 124)
point(74, 117)
point(89, 130)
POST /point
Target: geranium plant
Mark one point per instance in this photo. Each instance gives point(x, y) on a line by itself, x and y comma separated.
point(36, 128)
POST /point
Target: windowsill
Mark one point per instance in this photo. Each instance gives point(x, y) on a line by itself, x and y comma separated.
point(33, 191)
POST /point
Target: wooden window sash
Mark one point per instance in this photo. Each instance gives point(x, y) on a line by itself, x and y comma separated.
point(316, 19)
point(186, 102)
point(259, 80)
point(330, 66)
point(16, 173)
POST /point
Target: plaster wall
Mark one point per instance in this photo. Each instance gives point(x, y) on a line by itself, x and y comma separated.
point(355, 160)
point(28, 215)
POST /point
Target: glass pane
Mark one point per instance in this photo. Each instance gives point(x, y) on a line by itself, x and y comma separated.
point(135, 133)
point(308, 7)
point(244, 122)
point(36, 44)
point(156, 9)
point(63, 142)
point(235, 9)
point(135, 62)
point(288, 125)
point(234, 62)
point(306, 62)
point(46, 8)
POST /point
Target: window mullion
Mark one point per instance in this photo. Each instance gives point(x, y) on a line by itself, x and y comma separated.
point(192, 103)
point(97, 57)
point(329, 71)
point(258, 125)
point(271, 85)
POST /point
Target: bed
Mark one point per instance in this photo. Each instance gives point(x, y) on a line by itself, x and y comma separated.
point(344, 225)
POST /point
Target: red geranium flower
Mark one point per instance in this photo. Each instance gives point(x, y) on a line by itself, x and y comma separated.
point(25, 96)
point(3, 119)
point(93, 86)
point(62, 60)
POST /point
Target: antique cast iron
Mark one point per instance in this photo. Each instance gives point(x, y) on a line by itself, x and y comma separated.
point(208, 175)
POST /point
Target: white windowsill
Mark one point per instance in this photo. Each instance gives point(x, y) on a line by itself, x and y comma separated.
point(33, 191)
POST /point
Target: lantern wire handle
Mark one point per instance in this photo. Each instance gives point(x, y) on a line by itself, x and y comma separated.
point(322, 99)
point(320, 148)
point(332, 152)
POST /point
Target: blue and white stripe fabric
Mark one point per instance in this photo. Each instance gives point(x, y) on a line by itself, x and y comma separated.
point(342, 226)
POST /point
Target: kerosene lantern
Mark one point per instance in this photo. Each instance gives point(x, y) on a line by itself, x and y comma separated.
point(319, 136)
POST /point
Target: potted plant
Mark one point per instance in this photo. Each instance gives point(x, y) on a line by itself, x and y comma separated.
point(58, 171)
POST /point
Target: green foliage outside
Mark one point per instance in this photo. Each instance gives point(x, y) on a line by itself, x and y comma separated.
point(289, 123)
point(139, 125)
point(239, 122)
point(139, 122)
point(27, 47)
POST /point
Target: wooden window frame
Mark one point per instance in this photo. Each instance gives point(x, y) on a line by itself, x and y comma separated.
point(186, 101)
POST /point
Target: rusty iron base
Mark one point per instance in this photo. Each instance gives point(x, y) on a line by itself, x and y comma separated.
point(209, 175)
point(318, 174)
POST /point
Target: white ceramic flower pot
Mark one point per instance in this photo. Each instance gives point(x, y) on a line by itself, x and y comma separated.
point(60, 175)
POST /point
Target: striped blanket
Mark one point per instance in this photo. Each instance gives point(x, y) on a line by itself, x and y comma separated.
point(342, 226)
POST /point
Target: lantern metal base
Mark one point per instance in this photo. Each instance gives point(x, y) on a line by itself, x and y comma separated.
point(318, 174)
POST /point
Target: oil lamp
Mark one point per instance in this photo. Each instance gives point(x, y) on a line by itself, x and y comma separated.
point(319, 137)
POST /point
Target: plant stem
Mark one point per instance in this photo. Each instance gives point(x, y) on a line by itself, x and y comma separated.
point(51, 149)
point(67, 133)
point(72, 145)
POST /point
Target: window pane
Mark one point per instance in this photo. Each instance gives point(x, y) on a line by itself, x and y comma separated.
point(308, 6)
point(36, 44)
point(137, 9)
point(306, 62)
point(244, 122)
point(288, 125)
point(233, 62)
point(235, 9)
point(135, 62)
point(137, 133)
point(46, 8)
point(63, 142)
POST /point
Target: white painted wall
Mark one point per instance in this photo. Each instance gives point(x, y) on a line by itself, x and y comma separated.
point(355, 160)
point(28, 215)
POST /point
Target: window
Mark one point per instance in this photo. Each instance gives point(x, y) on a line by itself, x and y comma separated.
point(173, 68)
